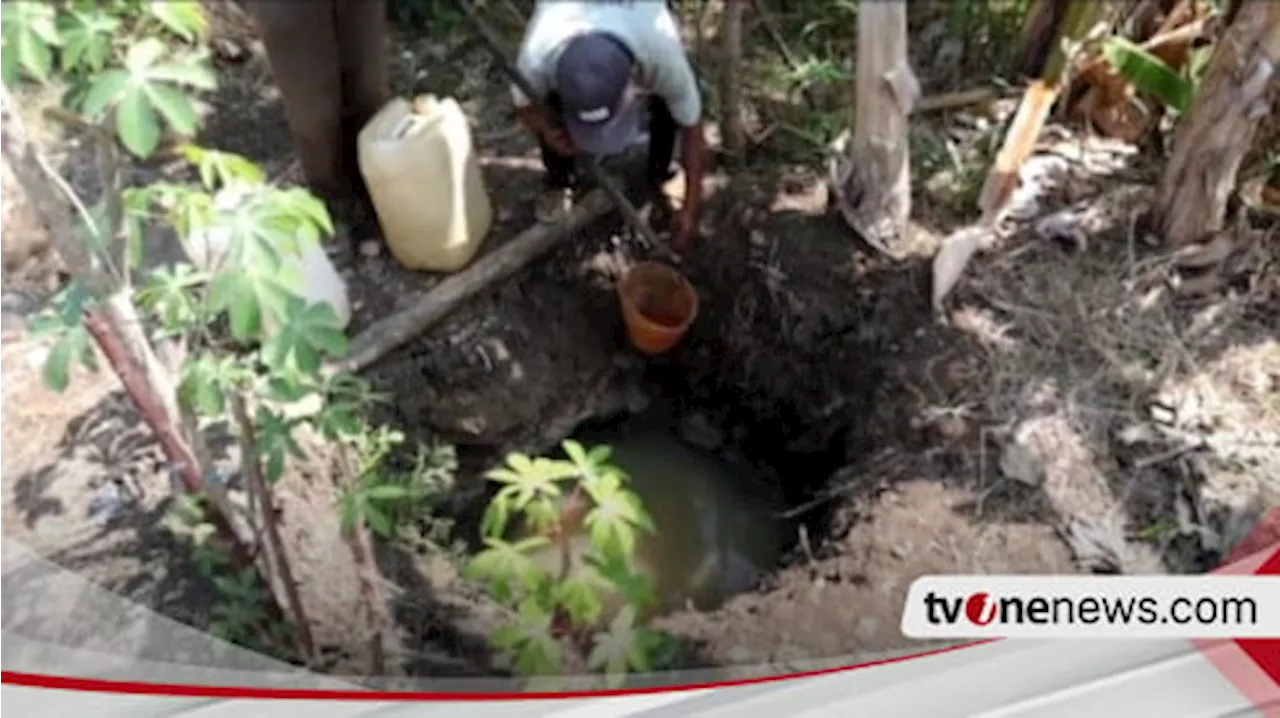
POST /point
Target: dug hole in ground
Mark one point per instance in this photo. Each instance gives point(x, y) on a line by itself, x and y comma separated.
point(1015, 438)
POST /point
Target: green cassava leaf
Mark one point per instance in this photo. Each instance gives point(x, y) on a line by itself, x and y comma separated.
point(183, 18)
point(136, 123)
point(174, 106)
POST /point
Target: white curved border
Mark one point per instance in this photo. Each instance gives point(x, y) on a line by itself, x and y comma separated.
point(1003, 678)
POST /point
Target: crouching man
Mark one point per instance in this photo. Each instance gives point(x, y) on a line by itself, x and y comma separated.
point(597, 64)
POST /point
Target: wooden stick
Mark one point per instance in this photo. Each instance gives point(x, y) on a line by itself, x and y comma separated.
point(1018, 144)
point(251, 463)
point(953, 100)
point(388, 334)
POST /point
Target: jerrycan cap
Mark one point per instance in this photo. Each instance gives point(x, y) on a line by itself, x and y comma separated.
point(420, 114)
point(425, 104)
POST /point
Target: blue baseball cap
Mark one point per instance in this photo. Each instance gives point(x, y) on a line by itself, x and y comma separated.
point(593, 79)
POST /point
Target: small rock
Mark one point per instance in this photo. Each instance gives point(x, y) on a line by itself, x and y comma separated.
point(17, 302)
point(1140, 433)
point(108, 502)
point(370, 248)
point(1020, 463)
point(1163, 414)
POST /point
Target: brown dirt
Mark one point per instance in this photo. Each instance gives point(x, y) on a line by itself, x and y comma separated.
point(884, 427)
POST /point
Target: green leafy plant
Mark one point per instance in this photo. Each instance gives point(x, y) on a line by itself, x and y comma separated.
point(1151, 75)
point(391, 501)
point(237, 615)
point(253, 350)
point(561, 597)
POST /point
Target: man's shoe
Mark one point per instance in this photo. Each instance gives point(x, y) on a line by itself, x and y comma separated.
point(667, 188)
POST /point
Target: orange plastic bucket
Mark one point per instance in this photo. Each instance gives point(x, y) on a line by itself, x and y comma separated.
point(658, 305)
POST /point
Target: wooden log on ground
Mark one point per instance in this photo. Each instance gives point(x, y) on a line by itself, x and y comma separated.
point(398, 329)
point(1232, 102)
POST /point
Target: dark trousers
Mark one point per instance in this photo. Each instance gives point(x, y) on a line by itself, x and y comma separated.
point(561, 172)
point(328, 57)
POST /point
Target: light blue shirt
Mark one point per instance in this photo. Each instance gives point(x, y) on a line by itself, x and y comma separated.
point(646, 27)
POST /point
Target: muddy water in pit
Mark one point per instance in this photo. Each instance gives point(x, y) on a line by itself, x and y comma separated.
point(713, 538)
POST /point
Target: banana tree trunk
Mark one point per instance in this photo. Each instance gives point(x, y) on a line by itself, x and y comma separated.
point(1237, 95)
point(871, 182)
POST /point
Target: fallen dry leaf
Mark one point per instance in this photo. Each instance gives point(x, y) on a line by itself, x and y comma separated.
point(952, 258)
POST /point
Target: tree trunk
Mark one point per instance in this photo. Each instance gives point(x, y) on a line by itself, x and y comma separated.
point(873, 187)
point(731, 80)
point(1233, 100)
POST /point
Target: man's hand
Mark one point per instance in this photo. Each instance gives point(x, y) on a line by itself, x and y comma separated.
point(694, 149)
point(537, 122)
point(559, 141)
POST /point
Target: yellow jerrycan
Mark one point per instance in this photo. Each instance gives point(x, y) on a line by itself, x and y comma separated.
point(424, 178)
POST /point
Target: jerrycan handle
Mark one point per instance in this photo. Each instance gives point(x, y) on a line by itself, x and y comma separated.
point(407, 125)
point(424, 111)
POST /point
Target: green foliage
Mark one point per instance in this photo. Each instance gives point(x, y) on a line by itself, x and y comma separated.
point(387, 500)
point(72, 343)
point(441, 16)
point(566, 609)
point(115, 55)
point(131, 67)
point(1149, 74)
point(239, 615)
